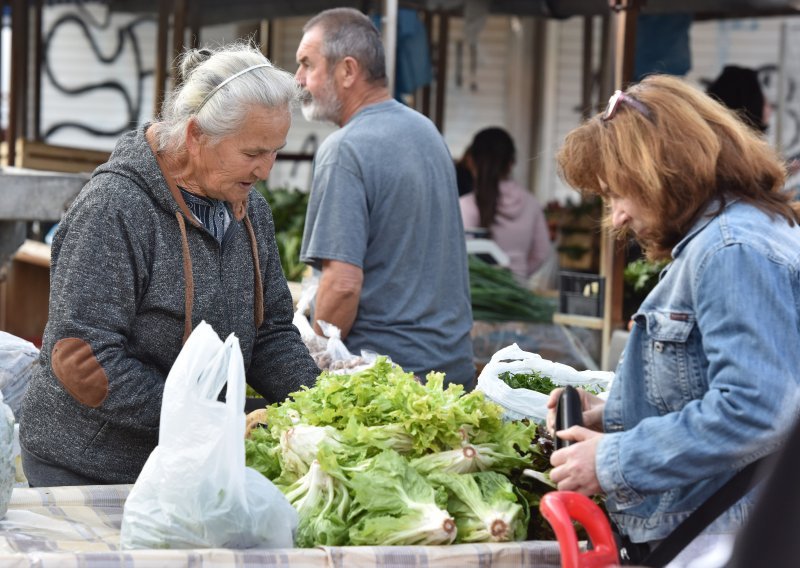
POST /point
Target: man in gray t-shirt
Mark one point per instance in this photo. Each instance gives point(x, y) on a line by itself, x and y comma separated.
point(383, 222)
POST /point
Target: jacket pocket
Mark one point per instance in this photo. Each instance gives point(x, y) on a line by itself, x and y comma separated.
point(671, 357)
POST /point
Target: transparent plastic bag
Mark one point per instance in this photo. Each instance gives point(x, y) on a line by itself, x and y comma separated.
point(7, 456)
point(300, 320)
point(195, 490)
point(338, 357)
point(18, 358)
point(525, 403)
point(316, 344)
point(336, 347)
point(328, 350)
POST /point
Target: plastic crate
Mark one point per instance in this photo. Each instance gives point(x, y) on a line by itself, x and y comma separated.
point(581, 294)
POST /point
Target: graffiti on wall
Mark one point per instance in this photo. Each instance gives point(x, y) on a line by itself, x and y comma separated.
point(104, 44)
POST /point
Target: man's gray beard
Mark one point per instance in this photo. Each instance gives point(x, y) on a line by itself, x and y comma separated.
point(324, 109)
point(321, 113)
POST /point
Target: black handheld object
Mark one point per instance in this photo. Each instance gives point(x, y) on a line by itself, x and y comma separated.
point(568, 413)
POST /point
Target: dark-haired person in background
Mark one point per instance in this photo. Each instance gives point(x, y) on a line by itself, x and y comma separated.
point(464, 178)
point(739, 89)
point(512, 216)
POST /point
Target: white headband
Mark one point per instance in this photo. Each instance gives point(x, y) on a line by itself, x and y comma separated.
point(228, 80)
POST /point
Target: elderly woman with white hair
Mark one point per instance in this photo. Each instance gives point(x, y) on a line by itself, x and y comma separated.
point(167, 233)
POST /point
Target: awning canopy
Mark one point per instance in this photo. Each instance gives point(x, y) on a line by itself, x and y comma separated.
point(211, 12)
point(216, 12)
point(568, 8)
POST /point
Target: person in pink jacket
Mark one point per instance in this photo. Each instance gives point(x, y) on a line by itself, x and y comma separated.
point(510, 213)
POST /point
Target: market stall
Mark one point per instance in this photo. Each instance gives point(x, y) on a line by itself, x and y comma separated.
point(80, 526)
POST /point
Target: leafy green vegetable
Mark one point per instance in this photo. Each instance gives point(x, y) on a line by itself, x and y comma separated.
point(470, 458)
point(322, 504)
point(289, 215)
point(400, 505)
point(642, 275)
point(485, 506)
point(300, 444)
point(262, 453)
point(496, 296)
point(532, 380)
point(381, 436)
point(426, 416)
point(362, 431)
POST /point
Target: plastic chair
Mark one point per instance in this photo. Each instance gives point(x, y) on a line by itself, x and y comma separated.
point(485, 249)
point(560, 508)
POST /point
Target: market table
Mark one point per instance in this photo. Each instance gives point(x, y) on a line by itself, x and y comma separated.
point(79, 527)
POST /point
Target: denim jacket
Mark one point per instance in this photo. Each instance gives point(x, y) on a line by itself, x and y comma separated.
point(710, 376)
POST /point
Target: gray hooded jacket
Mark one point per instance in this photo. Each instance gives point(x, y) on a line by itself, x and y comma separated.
point(132, 272)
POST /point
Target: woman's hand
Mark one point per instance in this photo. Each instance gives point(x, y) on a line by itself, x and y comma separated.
point(592, 410)
point(573, 466)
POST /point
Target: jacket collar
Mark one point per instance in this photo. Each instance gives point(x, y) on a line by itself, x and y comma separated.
point(713, 209)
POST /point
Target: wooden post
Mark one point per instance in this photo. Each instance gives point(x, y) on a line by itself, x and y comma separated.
point(3, 134)
point(19, 76)
point(37, 71)
point(587, 76)
point(441, 69)
point(265, 38)
point(390, 9)
point(626, 41)
point(178, 35)
point(612, 253)
point(14, 74)
point(194, 25)
point(160, 72)
point(538, 79)
point(606, 64)
point(426, 90)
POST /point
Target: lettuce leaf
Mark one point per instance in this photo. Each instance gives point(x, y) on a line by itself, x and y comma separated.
point(485, 506)
point(399, 506)
point(322, 504)
point(470, 458)
point(262, 453)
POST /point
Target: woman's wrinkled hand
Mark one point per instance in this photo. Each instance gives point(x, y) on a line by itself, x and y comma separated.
point(591, 405)
point(574, 466)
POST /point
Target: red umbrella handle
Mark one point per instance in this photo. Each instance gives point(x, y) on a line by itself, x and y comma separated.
point(560, 508)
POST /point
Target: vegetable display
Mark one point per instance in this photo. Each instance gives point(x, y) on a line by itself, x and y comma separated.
point(496, 296)
point(379, 458)
point(532, 380)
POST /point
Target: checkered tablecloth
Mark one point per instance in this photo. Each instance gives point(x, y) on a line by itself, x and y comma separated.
point(79, 527)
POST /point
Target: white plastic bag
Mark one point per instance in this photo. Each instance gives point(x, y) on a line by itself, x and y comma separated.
point(328, 350)
point(18, 358)
point(336, 347)
point(300, 321)
point(7, 456)
point(194, 490)
point(338, 358)
point(316, 344)
point(524, 403)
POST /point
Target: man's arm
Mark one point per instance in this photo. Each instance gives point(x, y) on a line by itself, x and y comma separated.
point(338, 295)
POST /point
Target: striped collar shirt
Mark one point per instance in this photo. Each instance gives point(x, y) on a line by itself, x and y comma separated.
point(213, 214)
